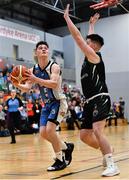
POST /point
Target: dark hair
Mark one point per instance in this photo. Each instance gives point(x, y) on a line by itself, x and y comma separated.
point(42, 42)
point(97, 38)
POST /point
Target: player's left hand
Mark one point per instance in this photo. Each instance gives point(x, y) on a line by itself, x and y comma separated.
point(66, 13)
point(94, 18)
point(30, 76)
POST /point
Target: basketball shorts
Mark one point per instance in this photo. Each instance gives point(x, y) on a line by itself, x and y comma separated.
point(53, 112)
point(95, 110)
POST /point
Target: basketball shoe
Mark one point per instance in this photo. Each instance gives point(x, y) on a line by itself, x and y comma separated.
point(68, 153)
point(58, 165)
point(104, 163)
point(111, 171)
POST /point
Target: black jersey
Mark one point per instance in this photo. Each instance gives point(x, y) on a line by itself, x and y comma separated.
point(93, 78)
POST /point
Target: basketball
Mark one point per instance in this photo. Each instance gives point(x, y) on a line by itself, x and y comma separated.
point(18, 74)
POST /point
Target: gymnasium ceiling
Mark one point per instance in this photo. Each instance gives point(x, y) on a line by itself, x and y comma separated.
point(48, 14)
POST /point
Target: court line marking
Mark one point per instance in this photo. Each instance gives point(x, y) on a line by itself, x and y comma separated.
point(22, 174)
point(84, 170)
point(63, 175)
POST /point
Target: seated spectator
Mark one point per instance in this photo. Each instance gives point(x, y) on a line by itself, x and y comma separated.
point(122, 107)
point(37, 111)
point(2, 118)
point(111, 117)
point(30, 112)
point(116, 108)
point(2, 81)
point(8, 82)
point(72, 116)
point(1, 96)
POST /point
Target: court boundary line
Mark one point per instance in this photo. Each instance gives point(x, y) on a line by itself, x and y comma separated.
point(76, 172)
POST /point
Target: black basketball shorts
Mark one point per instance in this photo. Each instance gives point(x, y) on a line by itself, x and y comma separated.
point(95, 110)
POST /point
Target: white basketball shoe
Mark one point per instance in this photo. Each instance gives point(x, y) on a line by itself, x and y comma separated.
point(104, 163)
point(111, 171)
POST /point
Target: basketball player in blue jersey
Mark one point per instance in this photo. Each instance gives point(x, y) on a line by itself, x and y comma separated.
point(95, 90)
point(47, 75)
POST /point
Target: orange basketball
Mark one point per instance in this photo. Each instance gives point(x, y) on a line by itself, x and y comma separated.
point(18, 74)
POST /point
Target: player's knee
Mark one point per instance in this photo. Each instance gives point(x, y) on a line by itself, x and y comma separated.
point(43, 134)
point(50, 131)
point(97, 131)
point(83, 136)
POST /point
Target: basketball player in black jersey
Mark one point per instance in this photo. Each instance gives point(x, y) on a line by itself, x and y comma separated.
point(47, 75)
point(95, 90)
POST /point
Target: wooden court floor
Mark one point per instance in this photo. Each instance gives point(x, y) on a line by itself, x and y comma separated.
point(30, 157)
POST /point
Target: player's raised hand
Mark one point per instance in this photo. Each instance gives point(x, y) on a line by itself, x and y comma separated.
point(94, 19)
point(66, 13)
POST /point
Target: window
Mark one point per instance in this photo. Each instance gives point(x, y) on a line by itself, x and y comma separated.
point(15, 52)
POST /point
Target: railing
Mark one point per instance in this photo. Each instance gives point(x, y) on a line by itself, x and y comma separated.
point(21, 61)
point(68, 74)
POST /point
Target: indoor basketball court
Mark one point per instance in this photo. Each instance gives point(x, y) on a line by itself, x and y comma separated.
point(30, 156)
point(56, 90)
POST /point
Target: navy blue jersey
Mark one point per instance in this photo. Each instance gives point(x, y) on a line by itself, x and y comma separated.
point(93, 78)
point(48, 93)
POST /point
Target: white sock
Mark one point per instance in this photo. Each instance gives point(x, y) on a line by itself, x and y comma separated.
point(59, 155)
point(109, 159)
point(63, 146)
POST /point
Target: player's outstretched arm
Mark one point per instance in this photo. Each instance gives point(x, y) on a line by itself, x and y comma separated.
point(87, 50)
point(92, 22)
point(23, 87)
point(52, 83)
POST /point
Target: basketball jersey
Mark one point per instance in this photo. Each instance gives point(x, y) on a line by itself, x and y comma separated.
point(93, 78)
point(14, 104)
point(48, 93)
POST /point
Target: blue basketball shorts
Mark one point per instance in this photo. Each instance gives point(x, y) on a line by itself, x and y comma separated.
point(53, 112)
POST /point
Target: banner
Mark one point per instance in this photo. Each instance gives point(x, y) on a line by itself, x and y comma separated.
point(19, 35)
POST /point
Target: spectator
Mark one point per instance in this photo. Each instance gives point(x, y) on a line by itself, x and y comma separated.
point(30, 112)
point(8, 82)
point(72, 116)
point(37, 111)
point(122, 107)
point(2, 81)
point(1, 96)
point(2, 118)
point(116, 107)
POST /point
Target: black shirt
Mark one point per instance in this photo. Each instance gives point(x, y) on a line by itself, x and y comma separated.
point(93, 78)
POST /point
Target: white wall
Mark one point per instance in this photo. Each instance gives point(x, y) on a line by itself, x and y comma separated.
point(26, 48)
point(115, 31)
point(69, 52)
point(55, 42)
